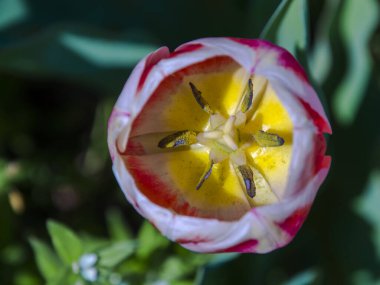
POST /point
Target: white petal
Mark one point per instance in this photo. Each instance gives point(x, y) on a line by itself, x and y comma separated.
point(90, 274)
point(87, 260)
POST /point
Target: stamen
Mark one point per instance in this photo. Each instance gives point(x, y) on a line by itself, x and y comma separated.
point(213, 134)
point(229, 125)
point(205, 175)
point(230, 142)
point(238, 157)
point(214, 144)
point(265, 139)
point(200, 100)
point(247, 175)
point(181, 138)
point(247, 97)
point(241, 118)
point(216, 120)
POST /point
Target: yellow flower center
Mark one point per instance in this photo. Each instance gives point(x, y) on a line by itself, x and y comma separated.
point(220, 141)
point(225, 140)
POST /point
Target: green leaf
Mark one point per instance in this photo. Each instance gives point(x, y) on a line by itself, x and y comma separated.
point(200, 276)
point(358, 22)
point(3, 177)
point(117, 227)
point(174, 268)
point(271, 27)
point(104, 52)
point(13, 254)
point(25, 278)
point(66, 243)
point(217, 264)
point(321, 57)
point(91, 243)
point(182, 282)
point(368, 206)
point(12, 12)
point(97, 155)
point(116, 253)
point(364, 277)
point(221, 258)
point(288, 26)
point(149, 240)
point(66, 277)
point(47, 261)
point(133, 267)
point(74, 53)
point(308, 277)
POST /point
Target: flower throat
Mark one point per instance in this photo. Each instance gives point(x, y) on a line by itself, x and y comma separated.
point(225, 139)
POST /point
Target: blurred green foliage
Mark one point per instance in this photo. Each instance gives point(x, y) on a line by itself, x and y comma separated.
point(147, 259)
point(357, 24)
point(62, 65)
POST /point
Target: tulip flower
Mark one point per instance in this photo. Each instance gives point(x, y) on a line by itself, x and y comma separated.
point(220, 144)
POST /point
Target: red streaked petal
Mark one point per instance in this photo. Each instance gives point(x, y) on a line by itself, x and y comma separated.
point(293, 223)
point(320, 150)
point(156, 186)
point(150, 62)
point(322, 125)
point(185, 48)
point(285, 59)
point(253, 43)
point(244, 247)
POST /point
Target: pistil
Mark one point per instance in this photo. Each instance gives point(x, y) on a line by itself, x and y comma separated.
point(229, 142)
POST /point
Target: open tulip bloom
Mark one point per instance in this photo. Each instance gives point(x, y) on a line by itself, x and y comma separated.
point(220, 144)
